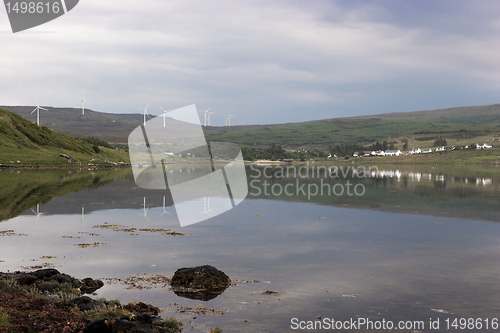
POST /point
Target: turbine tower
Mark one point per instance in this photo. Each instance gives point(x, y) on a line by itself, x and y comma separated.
point(37, 213)
point(209, 117)
point(205, 112)
point(164, 112)
point(145, 112)
point(229, 118)
point(83, 106)
point(37, 109)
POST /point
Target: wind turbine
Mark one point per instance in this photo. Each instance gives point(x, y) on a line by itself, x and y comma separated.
point(209, 117)
point(145, 112)
point(205, 112)
point(83, 106)
point(164, 112)
point(164, 211)
point(229, 118)
point(146, 207)
point(37, 109)
point(37, 213)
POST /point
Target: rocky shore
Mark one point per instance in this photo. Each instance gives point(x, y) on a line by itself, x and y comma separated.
point(46, 300)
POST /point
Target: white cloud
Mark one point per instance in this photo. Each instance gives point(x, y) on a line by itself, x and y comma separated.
point(255, 55)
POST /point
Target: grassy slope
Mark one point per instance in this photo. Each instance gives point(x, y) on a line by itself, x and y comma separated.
point(110, 127)
point(459, 122)
point(451, 123)
point(30, 144)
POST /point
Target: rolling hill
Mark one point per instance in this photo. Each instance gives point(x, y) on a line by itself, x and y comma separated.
point(22, 142)
point(466, 122)
point(108, 126)
point(454, 122)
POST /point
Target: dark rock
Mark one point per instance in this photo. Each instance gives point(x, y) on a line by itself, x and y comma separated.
point(201, 283)
point(91, 285)
point(202, 277)
point(64, 278)
point(141, 307)
point(143, 318)
point(76, 283)
point(110, 326)
point(45, 274)
point(24, 278)
point(86, 303)
point(48, 286)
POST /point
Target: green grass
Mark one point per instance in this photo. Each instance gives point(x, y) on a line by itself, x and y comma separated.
point(25, 143)
point(455, 123)
point(4, 319)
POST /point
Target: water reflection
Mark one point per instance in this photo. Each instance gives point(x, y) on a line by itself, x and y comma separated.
point(313, 253)
point(443, 191)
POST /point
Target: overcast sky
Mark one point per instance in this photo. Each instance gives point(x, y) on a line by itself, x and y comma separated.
point(263, 61)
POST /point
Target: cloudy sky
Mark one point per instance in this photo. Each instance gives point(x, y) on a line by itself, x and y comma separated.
point(263, 61)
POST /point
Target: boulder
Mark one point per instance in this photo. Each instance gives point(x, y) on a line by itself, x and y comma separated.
point(23, 278)
point(201, 282)
point(45, 274)
point(64, 278)
point(88, 285)
point(86, 303)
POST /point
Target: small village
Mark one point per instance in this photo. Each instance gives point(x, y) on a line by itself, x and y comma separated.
point(398, 152)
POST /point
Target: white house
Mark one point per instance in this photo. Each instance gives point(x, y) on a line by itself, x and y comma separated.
point(426, 151)
point(380, 153)
point(440, 149)
point(368, 153)
point(355, 154)
point(484, 145)
point(393, 152)
point(415, 151)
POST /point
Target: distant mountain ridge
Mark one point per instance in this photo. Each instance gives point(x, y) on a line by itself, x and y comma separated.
point(115, 128)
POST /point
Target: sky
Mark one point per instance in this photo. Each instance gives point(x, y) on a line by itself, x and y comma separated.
point(262, 61)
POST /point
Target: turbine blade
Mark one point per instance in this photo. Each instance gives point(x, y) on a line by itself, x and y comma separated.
point(33, 110)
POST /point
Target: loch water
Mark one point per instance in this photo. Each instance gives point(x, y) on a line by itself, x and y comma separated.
point(420, 244)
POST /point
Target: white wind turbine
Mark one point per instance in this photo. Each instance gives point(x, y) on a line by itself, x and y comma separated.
point(37, 109)
point(229, 118)
point(164, 112)
point(205, 112)
point(164, 211)
point(145, 112)
point(209, 117)
point(83, 106)
point(37, 213)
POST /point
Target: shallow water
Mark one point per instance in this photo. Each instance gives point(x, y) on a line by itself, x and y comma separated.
point(344, 257)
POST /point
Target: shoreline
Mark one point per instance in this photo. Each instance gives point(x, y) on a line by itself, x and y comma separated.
point(46, 300)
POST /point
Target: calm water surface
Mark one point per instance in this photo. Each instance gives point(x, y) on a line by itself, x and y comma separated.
point(420, 244)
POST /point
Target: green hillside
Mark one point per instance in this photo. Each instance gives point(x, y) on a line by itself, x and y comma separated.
point(111, 127)
point(25, 143)
point(459, 122)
